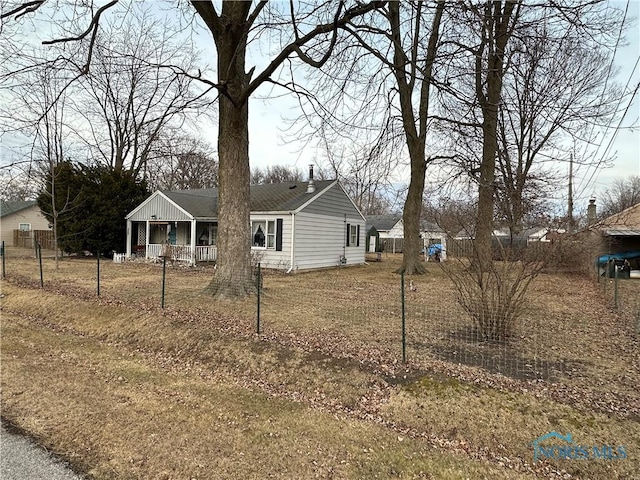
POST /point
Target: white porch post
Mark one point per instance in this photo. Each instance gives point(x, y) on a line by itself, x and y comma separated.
point(146, 239)
point(193, 241)
point(129, 227)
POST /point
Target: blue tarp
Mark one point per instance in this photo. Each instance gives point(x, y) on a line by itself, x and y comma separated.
point(619, 256)
point(433, 248)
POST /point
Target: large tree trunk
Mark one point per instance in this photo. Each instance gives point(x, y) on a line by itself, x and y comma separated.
point(497, 34)
point(486, 188)
point(234, 277)
point(411, 263)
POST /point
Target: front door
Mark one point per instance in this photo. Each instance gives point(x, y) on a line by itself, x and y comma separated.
point(172, 234)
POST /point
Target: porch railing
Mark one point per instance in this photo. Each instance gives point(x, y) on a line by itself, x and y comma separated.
point(206, 253)
point(182, 253)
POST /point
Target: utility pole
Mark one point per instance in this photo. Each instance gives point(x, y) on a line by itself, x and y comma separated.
point(570, 221)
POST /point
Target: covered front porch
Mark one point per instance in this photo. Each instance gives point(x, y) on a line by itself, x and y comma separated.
point(185, 241)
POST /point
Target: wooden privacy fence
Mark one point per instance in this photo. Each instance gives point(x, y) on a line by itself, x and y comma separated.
point(30, 238)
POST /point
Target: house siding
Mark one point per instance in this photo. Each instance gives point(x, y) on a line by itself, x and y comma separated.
point(396, 232)
point(321, 240)
point(334, 202)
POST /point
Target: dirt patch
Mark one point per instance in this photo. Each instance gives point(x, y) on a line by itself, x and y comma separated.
point(506, 361)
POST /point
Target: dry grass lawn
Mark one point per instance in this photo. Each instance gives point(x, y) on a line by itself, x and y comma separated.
point(125, 389)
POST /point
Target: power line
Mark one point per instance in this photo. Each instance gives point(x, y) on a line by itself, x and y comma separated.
point(615, 51)
point(617, 129)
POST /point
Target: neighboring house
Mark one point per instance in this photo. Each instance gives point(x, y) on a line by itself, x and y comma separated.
point(618, 234)
point(533, 234)
point(24, 217)
point(389, 230)
point(294, 226)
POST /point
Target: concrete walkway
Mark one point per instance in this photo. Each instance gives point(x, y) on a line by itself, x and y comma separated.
point(21, 459)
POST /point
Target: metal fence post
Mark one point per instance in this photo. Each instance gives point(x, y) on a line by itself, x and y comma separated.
point(39, 250)
point(258, 280)
point(404, 343)
point(164, 274)
point(98, 272)
point(615, 286)
point(4, 255)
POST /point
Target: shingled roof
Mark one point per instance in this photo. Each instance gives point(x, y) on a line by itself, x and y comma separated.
point(279, 197)
point(7, 208)
point(383, 223)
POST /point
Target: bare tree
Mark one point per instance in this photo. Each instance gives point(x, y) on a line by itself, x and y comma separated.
point(276, 174)
point(231, 28)
point(49, 147)
point(365, 168)
point(495, 21)
point(555, 88)
point(519, 84)
point(623, 194)
point(389, 90)
point(131, 98)
point(181, 162)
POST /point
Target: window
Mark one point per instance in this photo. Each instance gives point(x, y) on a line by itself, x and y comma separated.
point(263, 233)
point(271, 234)
point(25, 227)
point(353, 235)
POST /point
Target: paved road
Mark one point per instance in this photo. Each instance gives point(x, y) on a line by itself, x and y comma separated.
point(21, 459)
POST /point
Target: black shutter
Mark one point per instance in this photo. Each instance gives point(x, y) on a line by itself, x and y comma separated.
point(358, 237)
point(348, 231)
point(278, 234)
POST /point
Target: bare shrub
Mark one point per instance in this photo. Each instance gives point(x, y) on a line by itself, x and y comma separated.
point(574, 254)
point(494, 294)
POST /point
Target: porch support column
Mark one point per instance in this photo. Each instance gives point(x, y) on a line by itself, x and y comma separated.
point(193, 241)
point(146, 239)
point(129, 233)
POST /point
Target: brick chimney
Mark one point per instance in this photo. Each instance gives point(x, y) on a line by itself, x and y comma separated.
point(591, 211)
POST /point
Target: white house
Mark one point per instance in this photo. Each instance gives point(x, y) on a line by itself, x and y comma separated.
point(294, 226)
point(391, 227)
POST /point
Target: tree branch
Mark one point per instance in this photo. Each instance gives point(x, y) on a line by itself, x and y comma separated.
point(318, 30)
point(23, 9)
point(93, 29)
